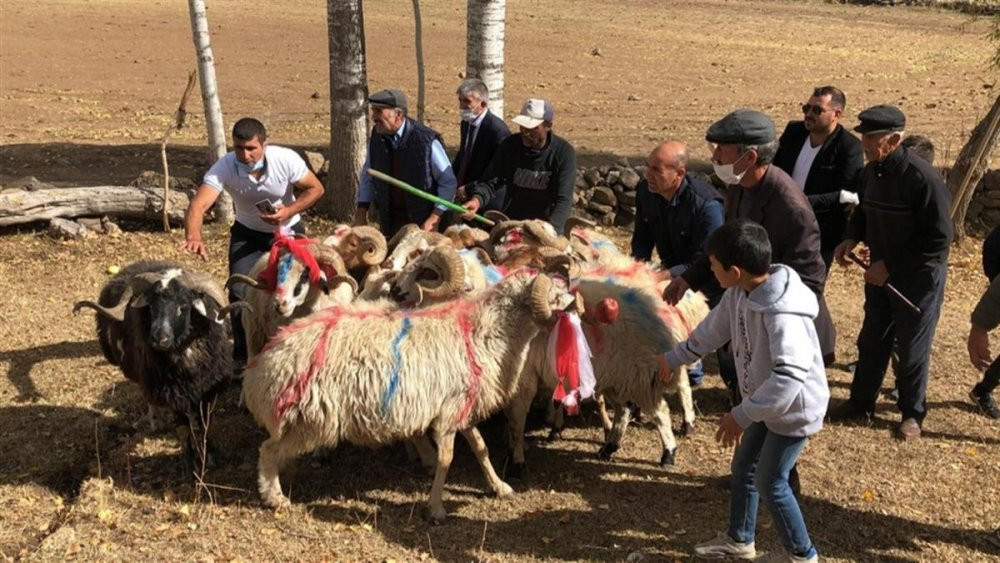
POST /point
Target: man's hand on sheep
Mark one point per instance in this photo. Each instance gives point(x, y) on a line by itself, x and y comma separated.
point(729, 433)
point(431, 223)
point(675, 291)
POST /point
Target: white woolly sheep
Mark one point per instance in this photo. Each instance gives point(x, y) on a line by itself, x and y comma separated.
point(372, 378)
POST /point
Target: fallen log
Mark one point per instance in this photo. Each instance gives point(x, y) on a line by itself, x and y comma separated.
point(18, 207)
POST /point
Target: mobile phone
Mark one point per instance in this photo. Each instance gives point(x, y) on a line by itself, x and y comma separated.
point(265, 206)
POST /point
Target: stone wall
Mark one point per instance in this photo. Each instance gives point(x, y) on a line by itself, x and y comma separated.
point(985, 204)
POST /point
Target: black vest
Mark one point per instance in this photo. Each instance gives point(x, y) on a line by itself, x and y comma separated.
point(409, 161)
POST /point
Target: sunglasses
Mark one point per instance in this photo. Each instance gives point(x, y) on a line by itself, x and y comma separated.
point(816, 110)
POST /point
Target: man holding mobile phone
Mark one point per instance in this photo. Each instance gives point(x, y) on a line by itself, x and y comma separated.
point(261, 179)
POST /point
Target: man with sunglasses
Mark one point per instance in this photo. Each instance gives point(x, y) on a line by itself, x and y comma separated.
point(823, 158)
point(905, 221)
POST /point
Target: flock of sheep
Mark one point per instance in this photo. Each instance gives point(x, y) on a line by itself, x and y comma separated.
point(362, 340)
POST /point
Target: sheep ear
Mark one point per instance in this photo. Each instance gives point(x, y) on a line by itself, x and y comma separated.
point(199, 305)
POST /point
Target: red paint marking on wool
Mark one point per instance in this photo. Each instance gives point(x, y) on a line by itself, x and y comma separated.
point(299, 249)
point(292, 393)
point(671, 315)
point(475, 371)
point(665, 373)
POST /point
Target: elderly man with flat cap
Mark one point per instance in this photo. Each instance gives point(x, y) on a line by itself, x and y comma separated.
point(411, 152)
point(904, 219)
point(535, 166)
point(744, 144)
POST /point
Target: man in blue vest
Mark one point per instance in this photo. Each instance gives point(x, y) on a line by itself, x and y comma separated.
point(411, 152)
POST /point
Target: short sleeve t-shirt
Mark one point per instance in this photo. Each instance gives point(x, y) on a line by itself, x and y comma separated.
point(282, 168)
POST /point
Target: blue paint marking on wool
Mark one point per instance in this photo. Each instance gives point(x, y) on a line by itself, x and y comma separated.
point(397, 361)
point(647, 316)
point(493, 275)
point(604, 245)
point(283, 269)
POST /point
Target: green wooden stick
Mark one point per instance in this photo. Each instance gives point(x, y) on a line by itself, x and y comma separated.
point(429, 197)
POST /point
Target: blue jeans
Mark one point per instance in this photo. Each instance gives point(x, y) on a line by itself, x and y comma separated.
point(760, 470)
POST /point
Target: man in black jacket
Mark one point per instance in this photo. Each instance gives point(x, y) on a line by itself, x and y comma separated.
point(537, 168)
point(823, 159)
point(411, 152)
point(481, 133)
point(905, 220)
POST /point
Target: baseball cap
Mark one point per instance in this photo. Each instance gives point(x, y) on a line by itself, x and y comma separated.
point(534, 112)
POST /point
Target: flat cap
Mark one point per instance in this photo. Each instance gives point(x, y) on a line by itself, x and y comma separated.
point(744, 126)
point(389, 98)
point(877, 119)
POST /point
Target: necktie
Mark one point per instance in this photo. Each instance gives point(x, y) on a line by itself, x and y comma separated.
point(467, 151)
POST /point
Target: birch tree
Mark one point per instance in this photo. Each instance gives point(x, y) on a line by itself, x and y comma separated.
point(210, 99)
point(418, 37)
point(484, 43)
point(348, 116)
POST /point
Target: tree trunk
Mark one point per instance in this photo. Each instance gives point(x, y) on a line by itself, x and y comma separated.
point(418, 36)
point(484, 43)
point(18, 207)
point(348, 107)
point(210, 99)
point(971, 165)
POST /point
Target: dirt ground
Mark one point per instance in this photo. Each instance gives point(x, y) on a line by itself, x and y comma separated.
point(86, 89)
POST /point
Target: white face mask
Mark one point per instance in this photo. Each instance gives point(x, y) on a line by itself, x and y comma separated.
point(468, 115)
point(726, 174)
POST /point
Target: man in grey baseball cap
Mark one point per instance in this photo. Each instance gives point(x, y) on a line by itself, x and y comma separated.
point(535, 167)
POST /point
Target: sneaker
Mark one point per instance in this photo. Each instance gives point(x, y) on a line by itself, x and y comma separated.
point(986, 403)
point(722, 546)
point(782, 556)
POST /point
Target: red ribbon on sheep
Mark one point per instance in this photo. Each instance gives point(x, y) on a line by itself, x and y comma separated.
point(298, 247)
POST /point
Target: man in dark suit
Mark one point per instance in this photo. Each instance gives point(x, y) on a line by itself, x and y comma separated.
point(481, 134)
point(823, 159)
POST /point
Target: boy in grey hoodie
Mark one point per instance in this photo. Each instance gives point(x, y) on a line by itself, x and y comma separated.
point(767, 313)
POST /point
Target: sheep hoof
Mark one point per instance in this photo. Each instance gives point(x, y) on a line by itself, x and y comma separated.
point(505, 491)
point(687, 428)
point(607, 450)
point(278, 502)
point(554, 434)
point(668, 457)
point(436, 516)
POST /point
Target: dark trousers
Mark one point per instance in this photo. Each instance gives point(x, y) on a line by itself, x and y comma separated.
point(246, 246)
point(991, 379)
point(888, 324)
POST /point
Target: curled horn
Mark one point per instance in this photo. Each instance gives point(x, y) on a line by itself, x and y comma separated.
point(535, 229)
point(372, 247)
point(447, 262)
point(574, 222)
point(337, 280)
point(501, 229)
point(327, 255)
point(540, 309)
point(117, 312)
point(483, 256)
point(496, 216)
point(403, 232)
point(240, 278)
point(225, 311)
point(559, 264)
point(200, 283)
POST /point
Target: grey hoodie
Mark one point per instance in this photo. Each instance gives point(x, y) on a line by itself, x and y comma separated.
point(778, 359)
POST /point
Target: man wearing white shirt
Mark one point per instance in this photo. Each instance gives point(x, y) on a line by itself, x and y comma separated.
point(823, 158)
point(261, 179)
point(408, 151)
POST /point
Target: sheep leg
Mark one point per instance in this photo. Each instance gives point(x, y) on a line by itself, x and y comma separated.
point(687, 403)
point(425, 451)
point(482, 454)
point(274, 455)
point(623, 415)
point(445, 450)
point(602, 409)
point(517, 414)
point(661, 418)
point(557, 414)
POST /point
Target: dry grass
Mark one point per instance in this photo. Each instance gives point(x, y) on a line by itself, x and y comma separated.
point(79, 480)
